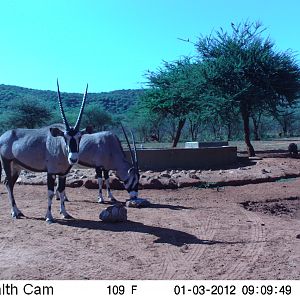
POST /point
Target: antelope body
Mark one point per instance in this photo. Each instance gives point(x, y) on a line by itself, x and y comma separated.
point(103, 151)
point(52, 149)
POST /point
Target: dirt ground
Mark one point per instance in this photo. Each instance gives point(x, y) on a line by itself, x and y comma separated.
point(250, 231)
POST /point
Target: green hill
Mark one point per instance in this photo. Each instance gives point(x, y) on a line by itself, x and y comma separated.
point(115, 102)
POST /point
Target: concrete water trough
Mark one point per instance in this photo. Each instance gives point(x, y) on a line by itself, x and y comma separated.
point(186, 158)
point(205, 144)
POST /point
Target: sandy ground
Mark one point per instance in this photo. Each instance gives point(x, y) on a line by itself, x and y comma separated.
point(250, 231)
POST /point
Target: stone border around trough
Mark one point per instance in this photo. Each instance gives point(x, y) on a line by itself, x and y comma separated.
point(258, 172)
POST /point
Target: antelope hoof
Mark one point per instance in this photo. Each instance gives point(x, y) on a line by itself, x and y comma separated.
point(68, 217)
point(100, 200)
point(50, 220)
point(17, 215)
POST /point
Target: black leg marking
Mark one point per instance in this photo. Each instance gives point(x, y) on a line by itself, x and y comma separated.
point(105, 173)
point(50, 185)
point(61, 189)
point(50, 182)
point(99, 172)
point(61, 184)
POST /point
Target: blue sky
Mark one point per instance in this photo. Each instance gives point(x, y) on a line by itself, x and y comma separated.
point(112, 43)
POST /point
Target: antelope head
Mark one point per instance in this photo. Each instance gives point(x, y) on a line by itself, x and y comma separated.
point(71, 135)
point(132, 182)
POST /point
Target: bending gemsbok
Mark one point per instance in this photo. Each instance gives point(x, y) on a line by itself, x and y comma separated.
point(103, 151)
point(52, 149)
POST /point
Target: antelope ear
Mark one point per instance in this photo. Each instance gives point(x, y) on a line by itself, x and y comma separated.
point(88, 130)
point(56, 132)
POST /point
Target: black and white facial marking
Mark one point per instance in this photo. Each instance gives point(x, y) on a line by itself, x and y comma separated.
point(72, 138)
point(132, 183)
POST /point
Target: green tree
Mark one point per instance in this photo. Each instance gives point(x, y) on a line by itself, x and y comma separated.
point(245, 68)
point(97, 117)
point(174, 91)
point(28, 113)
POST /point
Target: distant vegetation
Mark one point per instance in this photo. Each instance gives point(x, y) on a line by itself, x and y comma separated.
point(236, 86)
point(115, 102)
point(102, 109)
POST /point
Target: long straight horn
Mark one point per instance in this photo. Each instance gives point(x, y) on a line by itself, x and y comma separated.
point(131, 154)
point(61, 108)
point(134, 151)
point(77, 125)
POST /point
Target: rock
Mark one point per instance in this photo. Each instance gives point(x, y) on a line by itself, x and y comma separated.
point(169, 183)
point(164, 175)
point(91, 184)
point(152, 183)
point(157, 183)
point(176, 175)
point(194, 176)
point(113, 214)
point(187, 182)
point(115, 183)
point(74, 183)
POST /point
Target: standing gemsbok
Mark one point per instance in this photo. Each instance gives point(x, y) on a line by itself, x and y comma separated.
point(53, 149)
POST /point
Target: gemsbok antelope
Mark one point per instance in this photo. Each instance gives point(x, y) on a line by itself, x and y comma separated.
point(52, 149)
point(103, 151)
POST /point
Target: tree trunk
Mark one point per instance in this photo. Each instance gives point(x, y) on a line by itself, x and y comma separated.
point(256, 123)
point(285, 128)
point(214, 130)
point(250, 149)
point(255, 130)
point(229, 131)
point(178, 132)
point(193, 131)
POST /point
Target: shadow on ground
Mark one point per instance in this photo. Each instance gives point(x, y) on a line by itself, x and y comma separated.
point(165, 235)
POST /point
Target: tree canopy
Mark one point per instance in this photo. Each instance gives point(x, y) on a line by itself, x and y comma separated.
point(97, 117)
point(247, 70)
point(28, 114)
point(175, 90)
